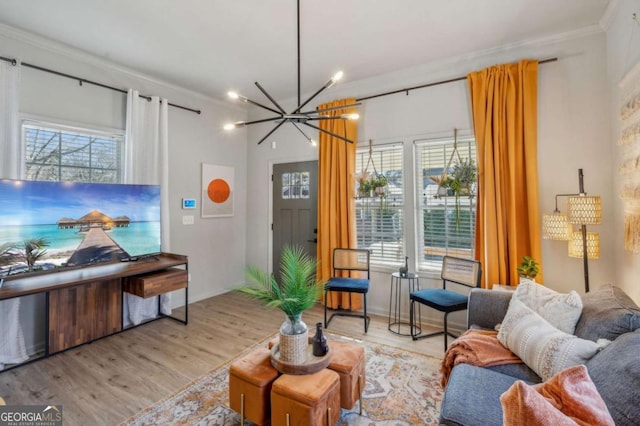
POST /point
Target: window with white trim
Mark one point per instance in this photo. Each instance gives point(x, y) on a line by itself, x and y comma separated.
point(60, 153)
point(380, 219)
point(446, 223)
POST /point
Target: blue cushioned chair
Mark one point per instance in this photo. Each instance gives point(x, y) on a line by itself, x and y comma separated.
point(349, 260)
point(465, 272)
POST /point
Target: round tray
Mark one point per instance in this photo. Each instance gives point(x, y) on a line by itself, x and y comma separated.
point(313, 364)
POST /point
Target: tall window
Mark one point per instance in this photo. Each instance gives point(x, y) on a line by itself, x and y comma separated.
point(380, 219)
point(446, 223)
point(59, 153)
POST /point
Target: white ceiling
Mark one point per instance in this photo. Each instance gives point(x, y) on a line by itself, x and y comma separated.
point(210, 46)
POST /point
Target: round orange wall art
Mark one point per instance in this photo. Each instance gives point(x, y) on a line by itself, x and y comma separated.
point(218, 190)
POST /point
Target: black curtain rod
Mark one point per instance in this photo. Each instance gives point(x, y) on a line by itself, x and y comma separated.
point(437, 83)
point(83, 80)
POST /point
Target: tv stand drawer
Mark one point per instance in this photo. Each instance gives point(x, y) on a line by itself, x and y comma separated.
point(149, 285)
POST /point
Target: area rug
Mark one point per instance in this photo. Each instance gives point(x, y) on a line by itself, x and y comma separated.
point(402, 388)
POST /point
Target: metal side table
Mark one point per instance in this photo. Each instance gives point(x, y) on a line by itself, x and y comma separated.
point(395, 302)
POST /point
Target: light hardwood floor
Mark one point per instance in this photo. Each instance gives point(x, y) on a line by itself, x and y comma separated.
point(108, 381)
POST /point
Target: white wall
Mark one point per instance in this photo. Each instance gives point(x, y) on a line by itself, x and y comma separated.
point(623, 53)
point(215, 247)
point(573, 133)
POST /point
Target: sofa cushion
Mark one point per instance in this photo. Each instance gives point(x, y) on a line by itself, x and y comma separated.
point(472, 396)
point(616, 373)
point(540, 345)
point(560, 310)
point(607, 312)
point(519, 371)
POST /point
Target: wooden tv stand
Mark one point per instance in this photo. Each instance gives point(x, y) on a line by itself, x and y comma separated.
point(86, 303)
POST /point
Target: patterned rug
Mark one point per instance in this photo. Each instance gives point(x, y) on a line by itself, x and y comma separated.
point(403, 388)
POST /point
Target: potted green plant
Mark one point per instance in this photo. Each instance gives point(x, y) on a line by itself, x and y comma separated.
point(364, 185)
point(297, 291)
point(528, 268)
point(463, 176)
point(379, 185)
point(461, 180)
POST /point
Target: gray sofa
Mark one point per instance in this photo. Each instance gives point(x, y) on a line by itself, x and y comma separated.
point(472, 395)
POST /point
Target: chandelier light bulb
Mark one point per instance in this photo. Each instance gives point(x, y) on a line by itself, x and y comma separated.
point(229, 126)
point(337, 76)
point(352, 116)
point(313, 142)
point(233, 95)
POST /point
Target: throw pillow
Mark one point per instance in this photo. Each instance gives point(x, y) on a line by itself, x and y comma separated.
point(616, 373)
point(544, 348)
point(568, 398)
point(560, 310)
point(607, 313)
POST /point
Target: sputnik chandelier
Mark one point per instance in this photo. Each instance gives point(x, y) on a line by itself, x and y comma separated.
point(297, 117)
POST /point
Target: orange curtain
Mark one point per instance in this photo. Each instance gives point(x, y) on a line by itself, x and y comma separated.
point(504, 105)
point(336, 205)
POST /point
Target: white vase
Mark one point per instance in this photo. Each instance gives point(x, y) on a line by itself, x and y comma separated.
point(294, 339)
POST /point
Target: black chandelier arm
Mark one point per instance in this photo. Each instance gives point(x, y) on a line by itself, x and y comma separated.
point(327, 84)
point(320, 111)
point(335, 135)
point(323, 117)
point(272, 130)
point(301, 131)
point(258, 104)
point(263, 120)
point(273, 101)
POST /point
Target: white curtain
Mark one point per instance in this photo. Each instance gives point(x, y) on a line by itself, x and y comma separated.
point(10, 146)
point(12, 347)
point(146, 163)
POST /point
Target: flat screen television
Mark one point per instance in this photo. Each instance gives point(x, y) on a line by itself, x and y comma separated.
point(56, 225)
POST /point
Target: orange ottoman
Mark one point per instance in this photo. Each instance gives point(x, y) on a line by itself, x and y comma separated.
point(310, 399)
point(347, 359)
point(250, 380)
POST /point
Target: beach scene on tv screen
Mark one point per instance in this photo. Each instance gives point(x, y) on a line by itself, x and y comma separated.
point(51, 225)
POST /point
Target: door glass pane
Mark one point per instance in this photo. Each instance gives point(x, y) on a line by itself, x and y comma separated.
point(295, 185)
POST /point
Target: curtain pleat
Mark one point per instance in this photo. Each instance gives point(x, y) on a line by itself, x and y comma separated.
point(147, 163)
point(336, 205)
point(504, 106)
point(11, 159)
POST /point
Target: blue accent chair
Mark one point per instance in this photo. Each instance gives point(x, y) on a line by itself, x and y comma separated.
point(349, 260)
point(465, 272)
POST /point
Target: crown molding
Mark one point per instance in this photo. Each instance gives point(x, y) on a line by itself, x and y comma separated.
point(78, 55)
point(609, 14)
point(538, 41)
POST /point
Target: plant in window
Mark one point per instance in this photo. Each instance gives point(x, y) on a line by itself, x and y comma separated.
point(379, 184)
point(528, 268)
point(463, 177)
point(364, 184)
point(443, 185)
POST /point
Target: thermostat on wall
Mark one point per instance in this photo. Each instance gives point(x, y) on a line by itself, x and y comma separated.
point(188, 203)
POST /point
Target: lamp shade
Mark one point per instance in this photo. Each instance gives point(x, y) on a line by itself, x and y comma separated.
point(585, 210)
point(556, 227)
point(593, 245)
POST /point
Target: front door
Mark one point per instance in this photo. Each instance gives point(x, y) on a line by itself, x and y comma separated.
point(295, 211)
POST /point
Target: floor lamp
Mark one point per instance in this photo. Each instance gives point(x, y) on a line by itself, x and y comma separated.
point(582, 210)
